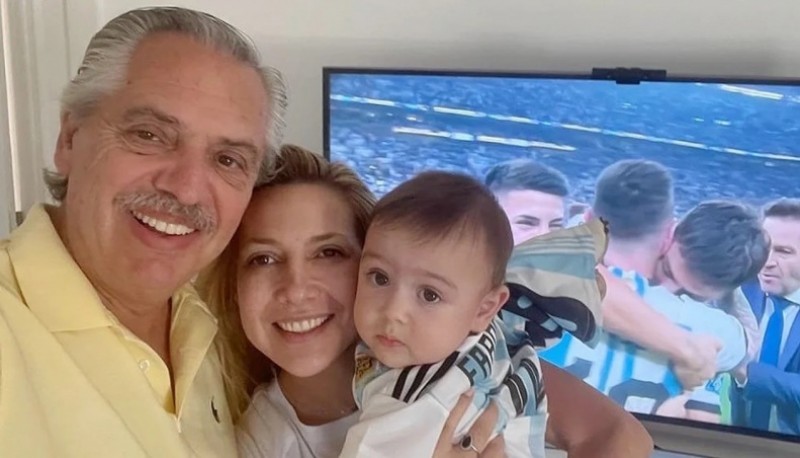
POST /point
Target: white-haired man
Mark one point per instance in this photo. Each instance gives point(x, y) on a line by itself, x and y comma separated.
point(104, 349)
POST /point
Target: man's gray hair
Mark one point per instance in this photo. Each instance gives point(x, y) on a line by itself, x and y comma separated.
point(105, 64)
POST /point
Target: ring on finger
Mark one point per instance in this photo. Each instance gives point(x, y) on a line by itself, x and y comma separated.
point(467, 444)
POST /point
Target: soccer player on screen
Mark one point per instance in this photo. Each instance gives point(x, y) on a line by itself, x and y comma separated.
point(532, 195)
point(716, 247)
point(638, 378)
point(534, 198)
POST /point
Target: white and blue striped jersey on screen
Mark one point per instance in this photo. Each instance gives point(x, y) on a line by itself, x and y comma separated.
point(639, 379)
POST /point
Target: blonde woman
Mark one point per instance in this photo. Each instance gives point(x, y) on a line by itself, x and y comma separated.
point(284, 290)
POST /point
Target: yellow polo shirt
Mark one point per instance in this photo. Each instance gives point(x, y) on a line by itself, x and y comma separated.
point(75, 383)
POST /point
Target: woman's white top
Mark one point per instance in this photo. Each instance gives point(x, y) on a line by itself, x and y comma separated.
point(270, 428)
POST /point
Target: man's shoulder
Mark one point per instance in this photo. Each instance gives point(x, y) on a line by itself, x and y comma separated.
point(702, 315)
point(8, 281)
point(710, 320)
point(35, 233)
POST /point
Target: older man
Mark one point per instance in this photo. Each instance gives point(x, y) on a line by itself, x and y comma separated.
point(767, 393)
point(104, 350)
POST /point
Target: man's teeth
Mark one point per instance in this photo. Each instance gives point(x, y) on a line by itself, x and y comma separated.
point(163, 226)
point(301, 326)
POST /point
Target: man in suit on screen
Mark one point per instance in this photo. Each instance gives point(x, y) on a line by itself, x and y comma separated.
point(767, 395)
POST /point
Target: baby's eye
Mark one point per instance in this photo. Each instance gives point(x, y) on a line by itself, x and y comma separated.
point(378, 278)
point(430, 296)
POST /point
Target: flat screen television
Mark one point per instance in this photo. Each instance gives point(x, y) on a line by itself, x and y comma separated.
point(727, 139)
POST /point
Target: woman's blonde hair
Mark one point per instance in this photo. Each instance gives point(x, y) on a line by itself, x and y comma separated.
point(243, 366)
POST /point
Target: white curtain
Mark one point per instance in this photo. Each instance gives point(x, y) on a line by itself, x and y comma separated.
point(7, 207)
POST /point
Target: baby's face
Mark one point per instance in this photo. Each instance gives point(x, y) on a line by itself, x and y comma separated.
point(418, 300)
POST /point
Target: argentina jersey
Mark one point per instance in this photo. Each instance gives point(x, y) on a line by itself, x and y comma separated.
point(634, 377)
point(579, 359)
point(392, 401)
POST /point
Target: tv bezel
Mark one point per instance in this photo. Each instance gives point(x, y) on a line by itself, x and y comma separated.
point(330, 71)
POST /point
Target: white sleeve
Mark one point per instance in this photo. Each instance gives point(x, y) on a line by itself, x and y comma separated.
point(392, 428)
point(729, 330)
point(703, 319)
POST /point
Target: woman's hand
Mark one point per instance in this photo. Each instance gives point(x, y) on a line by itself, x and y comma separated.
point(476, 442)
point(616, 434)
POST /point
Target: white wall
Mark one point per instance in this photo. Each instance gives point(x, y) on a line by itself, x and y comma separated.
point(723, 37)
point(737, 37)
point(7, 208)
point(38, 69)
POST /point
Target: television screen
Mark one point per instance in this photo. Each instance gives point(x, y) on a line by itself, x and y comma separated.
point(698, 179)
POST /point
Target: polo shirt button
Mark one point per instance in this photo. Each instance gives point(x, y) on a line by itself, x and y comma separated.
point(144, 364)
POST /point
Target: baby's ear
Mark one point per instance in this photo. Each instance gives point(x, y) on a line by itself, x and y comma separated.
point(490, 305)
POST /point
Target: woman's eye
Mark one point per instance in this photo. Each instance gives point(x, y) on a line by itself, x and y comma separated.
point(261, 260)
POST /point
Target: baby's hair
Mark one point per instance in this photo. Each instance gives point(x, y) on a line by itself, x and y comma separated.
point(436, 205)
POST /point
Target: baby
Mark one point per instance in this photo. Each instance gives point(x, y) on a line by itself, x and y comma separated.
point(431, 283)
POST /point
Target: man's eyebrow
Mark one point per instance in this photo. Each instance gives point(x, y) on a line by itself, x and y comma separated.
point(245, 145)
point(150, 112)
point(783, 248)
